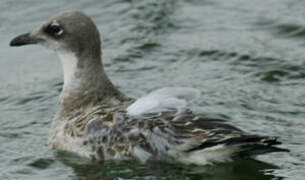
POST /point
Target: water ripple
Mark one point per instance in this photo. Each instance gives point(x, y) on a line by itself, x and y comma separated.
point(41, 163)
point(290, 30)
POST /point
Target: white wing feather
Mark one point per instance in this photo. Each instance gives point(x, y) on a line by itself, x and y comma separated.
point(163, 99)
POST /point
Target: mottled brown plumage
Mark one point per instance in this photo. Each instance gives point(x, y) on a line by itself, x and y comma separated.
point(112, 134)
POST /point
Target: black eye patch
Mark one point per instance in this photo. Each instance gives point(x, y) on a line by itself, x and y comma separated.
point(54, 30)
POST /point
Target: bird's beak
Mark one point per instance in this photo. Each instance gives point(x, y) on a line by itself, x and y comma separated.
point(23, 39)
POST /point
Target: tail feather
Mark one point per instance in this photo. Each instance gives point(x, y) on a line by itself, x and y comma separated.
point(254, 145)
point(256, 149)
point(247, 145)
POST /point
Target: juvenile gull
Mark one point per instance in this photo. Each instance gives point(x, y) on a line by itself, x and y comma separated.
point(96, 120)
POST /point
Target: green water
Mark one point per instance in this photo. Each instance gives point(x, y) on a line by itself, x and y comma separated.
point(247, 57)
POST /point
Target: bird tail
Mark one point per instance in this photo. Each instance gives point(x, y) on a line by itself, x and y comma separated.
point(253, 145)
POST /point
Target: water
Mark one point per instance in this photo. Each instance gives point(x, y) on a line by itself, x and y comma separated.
point(247, 58)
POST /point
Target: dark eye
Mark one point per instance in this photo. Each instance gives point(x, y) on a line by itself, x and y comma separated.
point(54, 29)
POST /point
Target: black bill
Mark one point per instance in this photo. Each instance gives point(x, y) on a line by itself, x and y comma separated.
point(23, 39)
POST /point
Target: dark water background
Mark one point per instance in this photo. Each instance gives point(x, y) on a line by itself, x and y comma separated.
point(246, 56)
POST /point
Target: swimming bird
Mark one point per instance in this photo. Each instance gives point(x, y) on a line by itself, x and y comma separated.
point(98, 121)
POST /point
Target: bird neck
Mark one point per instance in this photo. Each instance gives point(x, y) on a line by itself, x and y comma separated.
point(85, 83)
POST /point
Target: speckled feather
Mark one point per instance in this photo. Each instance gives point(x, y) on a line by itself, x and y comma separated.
point(111, 134)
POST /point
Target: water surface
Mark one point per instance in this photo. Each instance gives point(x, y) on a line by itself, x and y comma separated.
point(247, 58)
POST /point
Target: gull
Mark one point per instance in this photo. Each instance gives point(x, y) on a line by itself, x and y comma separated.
point(97, 121)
